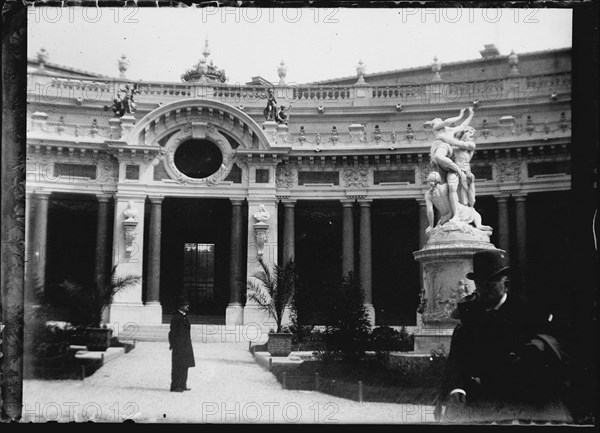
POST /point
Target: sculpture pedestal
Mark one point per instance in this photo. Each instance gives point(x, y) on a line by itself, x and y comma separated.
point(446, 258)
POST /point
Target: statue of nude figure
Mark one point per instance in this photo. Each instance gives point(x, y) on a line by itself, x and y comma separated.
point(442, 149)
point(462, 158)
point(437, 195)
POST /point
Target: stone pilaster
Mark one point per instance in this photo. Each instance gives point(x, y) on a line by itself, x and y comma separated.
point(521, 214)
point(503, 230)
point(37, 248)
point(289, 235)
point(366, 256)
point(102, 241)
point(128, 247)
point(257, 244)
point(347, 237)
point(234, 314)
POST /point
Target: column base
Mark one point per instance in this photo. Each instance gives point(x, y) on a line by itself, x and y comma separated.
point(234, 315)
point(125, 314)
point(370, 313)
point(255, 315)
point(152, 313)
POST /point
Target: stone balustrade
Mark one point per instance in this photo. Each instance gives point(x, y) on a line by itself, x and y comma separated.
point(45, 88)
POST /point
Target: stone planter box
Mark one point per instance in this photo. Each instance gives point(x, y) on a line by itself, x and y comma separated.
point(97, 339)
point(280, 344)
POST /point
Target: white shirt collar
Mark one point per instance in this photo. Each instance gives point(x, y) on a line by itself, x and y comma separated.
point(499, 304)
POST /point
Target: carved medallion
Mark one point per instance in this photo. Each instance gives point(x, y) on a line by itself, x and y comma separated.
point(285, 177)
point(356, 177)
point(509, 171)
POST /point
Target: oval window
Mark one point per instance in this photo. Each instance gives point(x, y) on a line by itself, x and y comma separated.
point(198, 158)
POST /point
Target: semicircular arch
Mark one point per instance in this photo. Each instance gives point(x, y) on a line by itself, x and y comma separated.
point(167, 118)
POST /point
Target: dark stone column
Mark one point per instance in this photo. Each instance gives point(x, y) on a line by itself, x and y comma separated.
point(521, 214)
point(101, 239)
point(365, 250)
point(236, 280)
point(423, 222)
point(503, 234)
point(347, 237)
point(154, 235)
point(289, 237)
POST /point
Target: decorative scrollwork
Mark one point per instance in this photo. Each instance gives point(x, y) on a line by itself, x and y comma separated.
point(285, 177)
point(509, 171)
point(356, 177)
point(207, 131)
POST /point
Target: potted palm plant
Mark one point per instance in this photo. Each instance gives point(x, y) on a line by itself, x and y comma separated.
point(272, 291)
point(83, 305)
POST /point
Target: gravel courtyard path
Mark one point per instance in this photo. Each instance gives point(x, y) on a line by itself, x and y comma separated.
point(228, 386)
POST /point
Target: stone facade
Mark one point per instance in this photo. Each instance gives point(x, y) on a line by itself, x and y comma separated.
point(76, 147)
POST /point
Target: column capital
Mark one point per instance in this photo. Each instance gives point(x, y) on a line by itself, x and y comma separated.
point(289, 202)
point(37, 194)
point(366, 202)
point(134, 197)
point(348, 202)
point(103, 198)
point(236, 202)
point(156, 199)
point(421, 202)
point(501, 198)
point(520, 197)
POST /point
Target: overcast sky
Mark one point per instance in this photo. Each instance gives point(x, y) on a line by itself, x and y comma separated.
point(316, 44)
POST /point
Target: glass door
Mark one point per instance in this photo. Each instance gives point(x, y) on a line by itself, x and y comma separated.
point(199, 276)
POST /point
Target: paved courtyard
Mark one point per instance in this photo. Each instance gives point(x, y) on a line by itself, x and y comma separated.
point(228, 386)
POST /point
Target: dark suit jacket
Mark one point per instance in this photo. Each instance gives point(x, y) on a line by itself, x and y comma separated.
point(180, 341)
point(505, 354)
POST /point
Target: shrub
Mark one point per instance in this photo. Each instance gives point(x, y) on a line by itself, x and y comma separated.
point(347, 333)
point(384, 340)
point(79, 303)
point(422, 371)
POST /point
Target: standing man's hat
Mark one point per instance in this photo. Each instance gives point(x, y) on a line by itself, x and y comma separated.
point(488, 264)
point(182, 300)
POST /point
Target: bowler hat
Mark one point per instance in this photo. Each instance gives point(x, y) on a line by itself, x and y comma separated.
point(488, 264)
point(181, 300)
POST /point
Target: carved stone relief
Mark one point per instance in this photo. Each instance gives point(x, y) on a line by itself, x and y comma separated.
point(356, 177)
point(285, 176)
point(509, 171)
point(203, 130)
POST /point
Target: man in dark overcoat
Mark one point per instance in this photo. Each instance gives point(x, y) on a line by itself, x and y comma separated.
point(504, 351)
point(180, 344)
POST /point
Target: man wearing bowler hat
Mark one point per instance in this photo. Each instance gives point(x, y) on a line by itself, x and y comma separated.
point(180, 344)
point(503, 350)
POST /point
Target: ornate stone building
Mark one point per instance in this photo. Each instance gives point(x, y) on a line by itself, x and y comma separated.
point(168, 188)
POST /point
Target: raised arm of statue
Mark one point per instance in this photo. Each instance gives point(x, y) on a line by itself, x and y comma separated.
point(439, 124)
point(467, 121)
